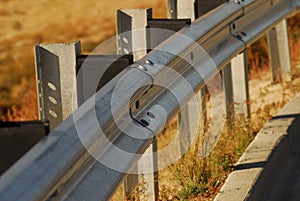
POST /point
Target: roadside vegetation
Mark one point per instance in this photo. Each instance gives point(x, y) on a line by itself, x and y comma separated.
point(193, 178)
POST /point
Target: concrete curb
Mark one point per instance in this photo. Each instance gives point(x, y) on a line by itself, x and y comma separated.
point(270, 163)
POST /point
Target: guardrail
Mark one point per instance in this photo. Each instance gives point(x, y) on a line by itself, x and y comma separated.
point(81, 158)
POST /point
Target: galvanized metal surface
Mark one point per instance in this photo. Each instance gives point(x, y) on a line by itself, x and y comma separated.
point(59, 167)
point(172, 9)
point(185, 9)
point(240, 85)
point(279, 53)
point(129, 20)
point(56, 67)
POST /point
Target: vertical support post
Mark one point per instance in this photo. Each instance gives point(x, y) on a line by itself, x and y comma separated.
point(185, 9)
point(279, 53)
point(131, 25)
point(187, 118)
point(56, 81)
point(172, 9)
point(274, 54)
point(180, 9)
point(240, 86)
point(228, 90)
point(235, 78)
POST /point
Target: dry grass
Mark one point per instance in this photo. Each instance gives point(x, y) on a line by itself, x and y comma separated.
point(193, 178)
point(28, 109)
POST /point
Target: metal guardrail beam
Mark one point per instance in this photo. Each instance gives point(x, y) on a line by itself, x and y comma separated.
point(60, 168)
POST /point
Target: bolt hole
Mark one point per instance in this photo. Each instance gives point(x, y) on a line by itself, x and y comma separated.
point(145, 92)
point(149, 62)
point(125, 40)
point(53, 114)
point(52, 100)
point(243, 33)
point(51, 86)
point(143, 68)
point(150, 114)
point(137, 104)
point(239, 37)
point(233, 26)
point(126, 51)
point(144, 122)
point(192, 55)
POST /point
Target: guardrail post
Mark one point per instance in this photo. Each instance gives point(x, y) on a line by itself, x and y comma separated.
point(56, 81)
point(239, 85)
point(135, 42)
point(172, 9)
point(235, 78)
point(181, 9)
point(228, 90)
point(279, 53)
point(129, 20)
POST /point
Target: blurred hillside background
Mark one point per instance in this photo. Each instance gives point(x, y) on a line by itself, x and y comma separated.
point(26, 23)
